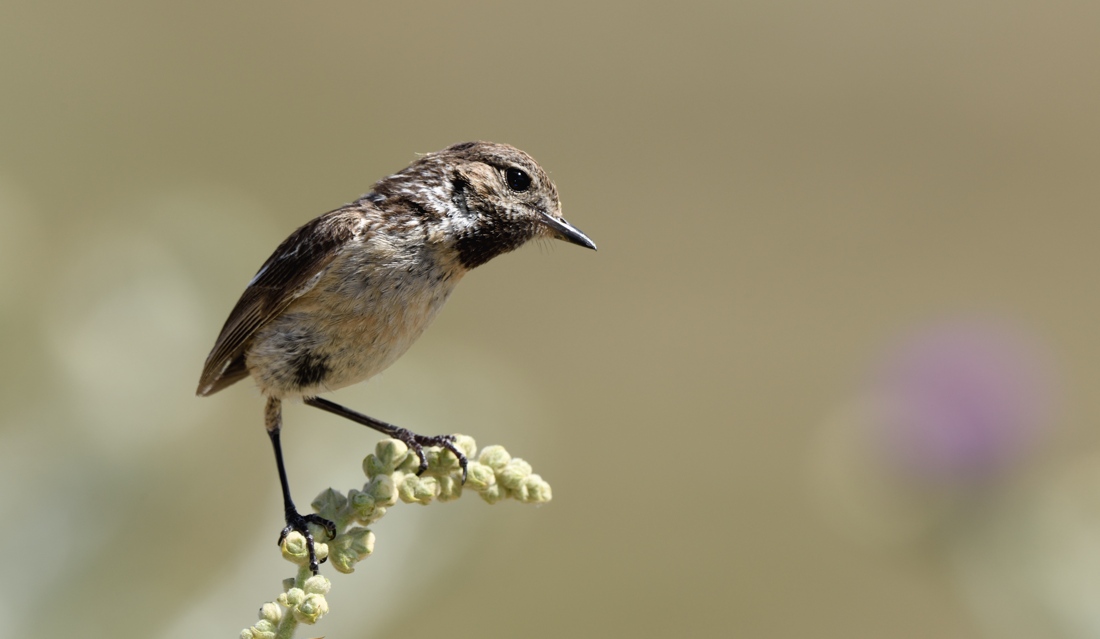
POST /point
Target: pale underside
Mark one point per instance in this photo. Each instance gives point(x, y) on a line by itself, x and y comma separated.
point(338, 302)
point(357, 319)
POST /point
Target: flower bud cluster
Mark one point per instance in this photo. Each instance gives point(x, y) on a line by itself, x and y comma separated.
point(493, 474)
point(306, 604)
point(391, 477)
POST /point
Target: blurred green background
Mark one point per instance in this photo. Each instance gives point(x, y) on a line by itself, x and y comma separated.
point(781, 192)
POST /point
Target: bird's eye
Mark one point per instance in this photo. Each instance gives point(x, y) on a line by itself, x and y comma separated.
point(517, 180)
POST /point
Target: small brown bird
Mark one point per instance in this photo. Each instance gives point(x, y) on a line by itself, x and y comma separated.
point(347, 293)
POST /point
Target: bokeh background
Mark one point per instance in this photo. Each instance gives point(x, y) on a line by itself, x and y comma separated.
point(831, 373)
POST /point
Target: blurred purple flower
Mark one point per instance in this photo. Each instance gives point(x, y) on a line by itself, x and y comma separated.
point(970, 400)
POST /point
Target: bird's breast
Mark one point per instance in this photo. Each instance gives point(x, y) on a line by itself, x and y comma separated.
point(365, 311)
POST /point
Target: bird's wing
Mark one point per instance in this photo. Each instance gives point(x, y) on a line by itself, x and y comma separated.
point(289, 273)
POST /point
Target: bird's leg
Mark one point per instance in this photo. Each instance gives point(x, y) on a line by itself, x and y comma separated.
point(273, 419)
point(415, 442)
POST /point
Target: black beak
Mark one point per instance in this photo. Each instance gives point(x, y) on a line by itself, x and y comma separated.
point(566, 231)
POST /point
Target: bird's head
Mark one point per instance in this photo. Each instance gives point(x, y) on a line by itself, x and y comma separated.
point(483, 199)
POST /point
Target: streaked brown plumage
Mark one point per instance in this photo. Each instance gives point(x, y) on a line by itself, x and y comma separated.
point(347, 293)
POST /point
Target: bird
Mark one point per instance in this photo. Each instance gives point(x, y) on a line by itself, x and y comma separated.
point(347, 293)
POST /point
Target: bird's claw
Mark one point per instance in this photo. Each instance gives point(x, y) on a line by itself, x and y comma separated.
point(417, 443)
point(299, 523)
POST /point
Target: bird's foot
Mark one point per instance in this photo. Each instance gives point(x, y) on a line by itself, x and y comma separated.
point(296, 522)
point(416, 443)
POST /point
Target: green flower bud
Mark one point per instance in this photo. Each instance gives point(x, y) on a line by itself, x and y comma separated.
point(388, 455)
point(479, 476)
point(494, 493)
point(348, 549)
point(427, 490)
point(362, 506)
point(494, 457)
point(513, 474)
point(317, 585)
point(296, 551)
point(449, 488)
point(391, 452)
point(257, 633)
point(432, 455)
point(373, 468)
point(411, 463)
point(291, 597)
point(537, 491)
point(271, 612)
point(406, 488)
point(312, 608)
point(467, 445)
point(420, 490)
point(329, 503)
point(383, 490)
point(264, 627)
point(443, 462)
point(358, 500)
